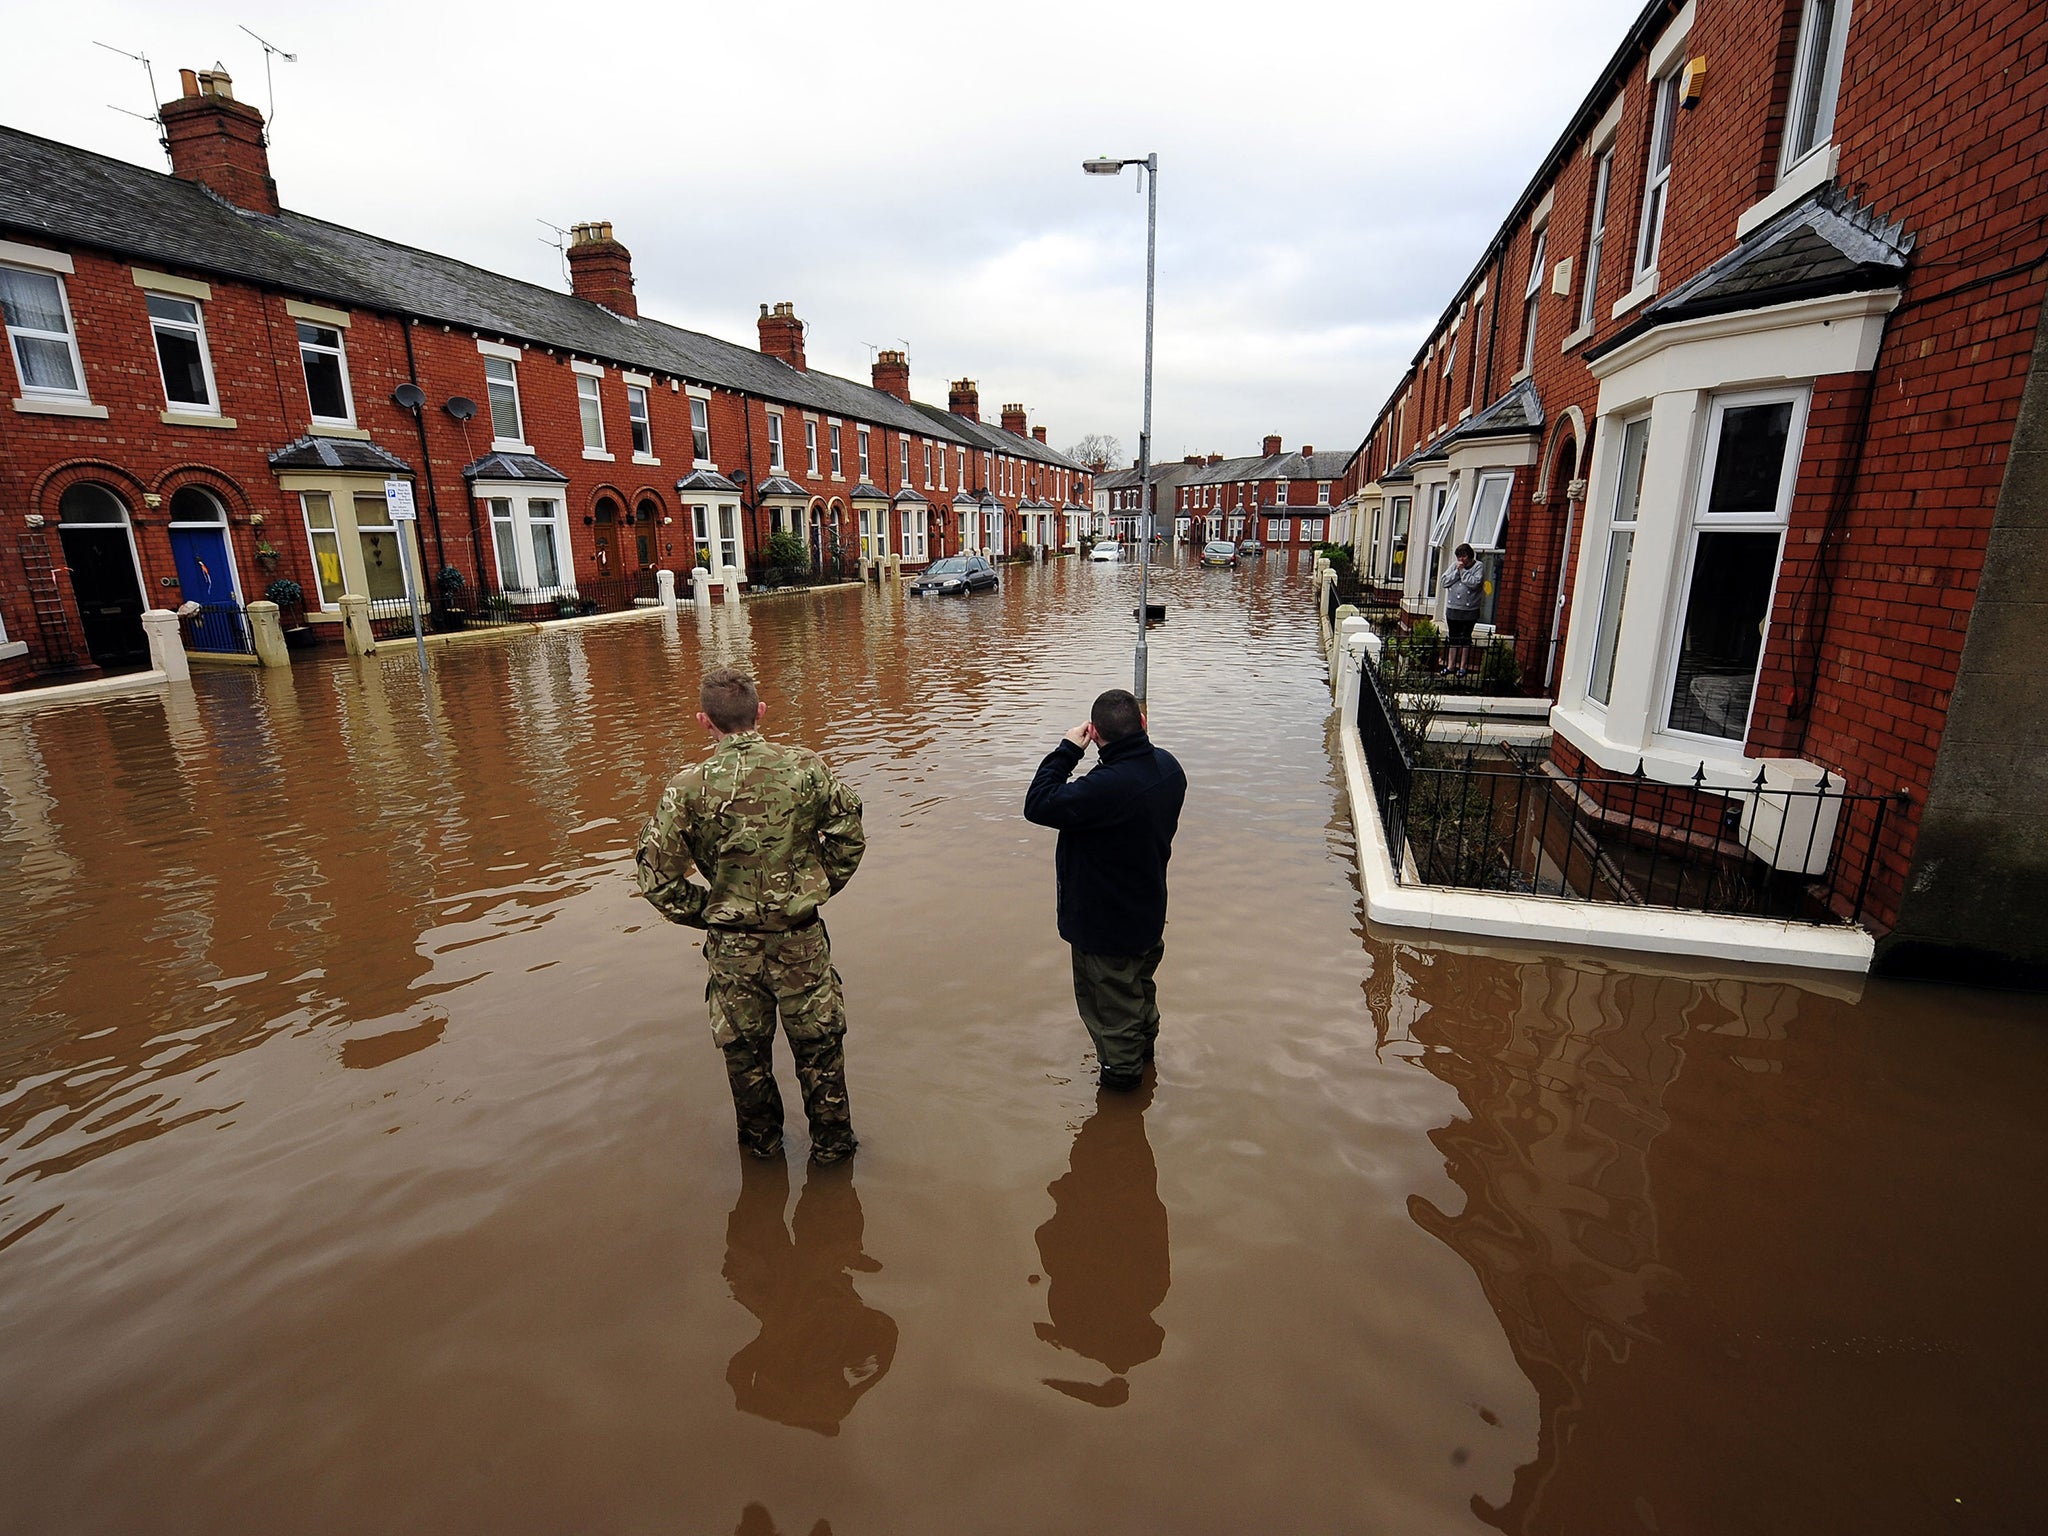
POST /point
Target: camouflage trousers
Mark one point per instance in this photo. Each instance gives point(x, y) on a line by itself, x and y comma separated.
point(1120, 1006)
point(753, 976)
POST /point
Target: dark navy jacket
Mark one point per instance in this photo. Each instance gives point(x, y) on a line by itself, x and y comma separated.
point(1116, 830)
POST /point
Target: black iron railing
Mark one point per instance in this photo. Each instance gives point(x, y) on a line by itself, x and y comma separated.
point(827, 569)
point(1424, 660)
point(1508, 821)
point(221, 629)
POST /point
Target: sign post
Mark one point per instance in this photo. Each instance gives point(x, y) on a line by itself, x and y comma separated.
point(398, 497)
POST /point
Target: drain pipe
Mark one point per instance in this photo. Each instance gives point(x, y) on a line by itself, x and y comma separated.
point(419, 419)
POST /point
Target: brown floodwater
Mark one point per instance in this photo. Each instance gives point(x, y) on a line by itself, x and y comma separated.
point(366, 1163)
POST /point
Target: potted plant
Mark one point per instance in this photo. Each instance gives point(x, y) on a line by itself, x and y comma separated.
point(267, 556)
point(451, 585)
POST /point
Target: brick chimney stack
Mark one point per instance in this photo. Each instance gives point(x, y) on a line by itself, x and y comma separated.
point(891, 374)
point(1273, 445)
point(1013, 419)
point(964, 399)
point(1306, 450)
point(1214, 458)
point(1038, 434)
point(601, 269)
point(782, 335)
point(218, 141)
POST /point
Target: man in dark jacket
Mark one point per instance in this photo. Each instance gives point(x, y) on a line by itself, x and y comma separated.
point(1116, 829)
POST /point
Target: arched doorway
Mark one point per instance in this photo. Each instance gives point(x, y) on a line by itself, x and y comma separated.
point(106, 576)
point(605, 540)
point(206, 570)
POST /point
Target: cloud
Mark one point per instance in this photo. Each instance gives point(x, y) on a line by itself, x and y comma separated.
point(911, 170)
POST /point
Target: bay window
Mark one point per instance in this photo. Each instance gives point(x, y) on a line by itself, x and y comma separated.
point(530, 540)
point(914, 533)
point(1737, 535)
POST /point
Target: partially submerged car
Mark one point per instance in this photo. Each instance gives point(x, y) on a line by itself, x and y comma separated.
point(1106, 549)
point(955, 576)
point(1219, 552)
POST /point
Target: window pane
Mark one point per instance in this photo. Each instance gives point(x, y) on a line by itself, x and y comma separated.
point(177, 350)
point(1726, 608)
point(32, 301)
point(592, 411)
point(1621, 545)
point(44, 364)
point(1811, 122)
point(503, 537)
point(319, 336)
point(1490, 512)
point(1751, 459)
point(546, 571)
point(319, 509)
point(327, 566)
point(325, 392)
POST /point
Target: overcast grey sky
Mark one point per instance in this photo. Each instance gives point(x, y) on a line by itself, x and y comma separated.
point(909, 173)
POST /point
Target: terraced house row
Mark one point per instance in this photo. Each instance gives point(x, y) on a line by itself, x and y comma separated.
point(1742, 408)
point(209, 393)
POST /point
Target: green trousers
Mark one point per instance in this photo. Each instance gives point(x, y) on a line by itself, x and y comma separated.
point(753, 977)
point(1120, 1006)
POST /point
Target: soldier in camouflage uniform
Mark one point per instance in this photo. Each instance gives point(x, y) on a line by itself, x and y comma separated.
point(775, 834)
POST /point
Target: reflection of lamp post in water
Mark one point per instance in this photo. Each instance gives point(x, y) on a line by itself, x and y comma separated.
point(1149, 169)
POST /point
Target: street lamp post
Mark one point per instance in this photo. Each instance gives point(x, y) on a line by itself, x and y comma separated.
point(1149, 169)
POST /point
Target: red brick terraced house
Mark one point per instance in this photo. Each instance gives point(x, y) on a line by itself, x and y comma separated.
point(1283, 500)
point(1743, 407)
point(207, 392)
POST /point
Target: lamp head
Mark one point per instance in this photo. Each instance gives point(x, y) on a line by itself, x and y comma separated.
point(1102, 165)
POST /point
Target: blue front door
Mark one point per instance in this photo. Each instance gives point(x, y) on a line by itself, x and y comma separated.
point(204, 578)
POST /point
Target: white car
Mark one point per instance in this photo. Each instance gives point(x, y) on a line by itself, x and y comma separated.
point(1107, 549)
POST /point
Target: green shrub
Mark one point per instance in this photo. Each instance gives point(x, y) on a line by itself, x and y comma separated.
point(786, 549)
point(1499, 672)
point(285, 592)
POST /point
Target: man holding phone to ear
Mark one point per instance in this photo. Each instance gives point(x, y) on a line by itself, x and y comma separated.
point(1116, 829)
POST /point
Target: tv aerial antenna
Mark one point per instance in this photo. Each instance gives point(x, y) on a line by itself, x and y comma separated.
point(153, 117)
point(560, 244)
point(269, 88)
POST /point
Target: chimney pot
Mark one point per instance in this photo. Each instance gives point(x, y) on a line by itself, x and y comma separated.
point(1273, 445)
point(1014, 419)
point(601, 269)
point(963, 399)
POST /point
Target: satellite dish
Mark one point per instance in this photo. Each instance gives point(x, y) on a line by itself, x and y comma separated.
point(461, 407)
point(408, 397)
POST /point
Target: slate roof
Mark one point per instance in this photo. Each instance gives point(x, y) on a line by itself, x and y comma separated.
point(908, 498)
point(513, 466)
point(67, 195)
point(706, 480)
point(866, 492)
point(1279, 466)
point(317, 453)
point(1827, 244)
point(1518, 413)
point(779, 485)
point(966, 499)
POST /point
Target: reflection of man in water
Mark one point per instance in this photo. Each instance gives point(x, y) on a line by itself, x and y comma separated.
point(1105, 1252)
point(820, 1345)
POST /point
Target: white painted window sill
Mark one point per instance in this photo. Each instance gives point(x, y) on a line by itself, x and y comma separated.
point(505, 445)
point(338, 429)
point(1523, 374)
point(12, 648)
point(1816, 170)
point(32, 405)
point(598, 454)
point(1644, 290)
point(187, 419)
point(1575, 338)
point(646, 458)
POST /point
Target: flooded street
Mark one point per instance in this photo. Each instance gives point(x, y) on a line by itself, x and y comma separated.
point(366, 1163)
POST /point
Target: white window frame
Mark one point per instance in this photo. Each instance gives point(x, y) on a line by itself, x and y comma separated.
point(834, 442)
point(1531, 297)
point(640, 422)
point(861, 444)
point(1279, 530)
point(313, 534)
point(196, 329)
point(1489, 478)
point(1443, 517)
point(700, 431)
point(590, 413)
point(1322, 493)
point(874, 533)
point(520, 520)
point(902, 461)
point(1596, 237)
point(775, 459)
point(1657, 177)
point(339, 351)
point(1632, 525)
point(1816, 83)
point(517, 441)
point(17, 334)
point(916, 531)
point(811, 447)
point(1777, 520)
point(927, 466)
point(1312, 529)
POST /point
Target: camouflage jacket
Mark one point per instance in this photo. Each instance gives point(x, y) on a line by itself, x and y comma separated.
point(770, 827)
